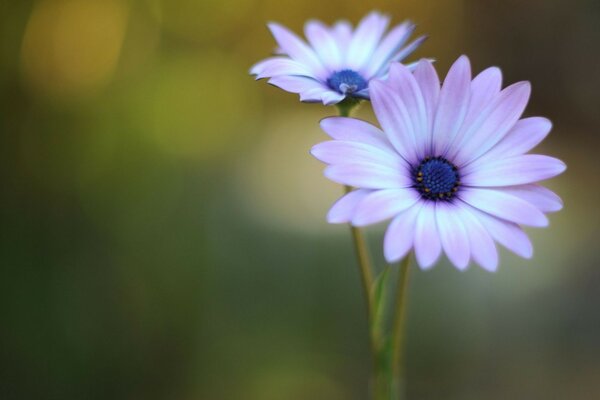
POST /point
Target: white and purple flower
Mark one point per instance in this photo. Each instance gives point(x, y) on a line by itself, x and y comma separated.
point(338, 62)
point(449, 165)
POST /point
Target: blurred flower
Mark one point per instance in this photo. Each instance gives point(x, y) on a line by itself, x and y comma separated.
point(339, 62)
point(449, 167)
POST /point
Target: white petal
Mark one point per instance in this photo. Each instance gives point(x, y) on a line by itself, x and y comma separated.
point(391, 44)
point(323, 41)
point(428, 246)
point(383, 204)
point(504, 205)
point(342, 210)
point(277, 66)
point(365, 39)
point(297, 49)
point(398, 239)
point(296, 84)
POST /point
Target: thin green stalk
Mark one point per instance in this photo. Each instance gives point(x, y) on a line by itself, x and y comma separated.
point(364, 264)
point(398, 329)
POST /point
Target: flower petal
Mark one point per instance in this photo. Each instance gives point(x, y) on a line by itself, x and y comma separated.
point(404, 83)
point(356, 130)
point(398, 239)
point(383, 204)
point(544, 199)
point(368, 176)
point(508, 234)
point(428, 246)
point(408, 50)
point(518, 170)
point(429, 82)
point(504, 205)
point(296, 84)
point(342, 31)
point(277, 66)
point(330, 97)
point(524, 136)
point(453, 234)
point(342, 210)
point(297, 49)
point(482, 245)
point(367, 35)
point(391, 43)
point(345, 152)
point(452, 105)
point(494, 123)
point(393, 117)
point(323, 41)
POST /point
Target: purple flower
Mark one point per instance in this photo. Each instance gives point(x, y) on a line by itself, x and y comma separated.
point(338, 62)
point(449, 165)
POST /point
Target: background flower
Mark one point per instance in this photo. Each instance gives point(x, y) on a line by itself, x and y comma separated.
point(449, 167)
point(338, 62)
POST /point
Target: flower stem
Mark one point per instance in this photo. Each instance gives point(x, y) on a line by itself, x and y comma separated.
point(398, 330)
point(364, 264)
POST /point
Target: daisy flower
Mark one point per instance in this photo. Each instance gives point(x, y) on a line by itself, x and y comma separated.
point(338, 62)
point(448, 166)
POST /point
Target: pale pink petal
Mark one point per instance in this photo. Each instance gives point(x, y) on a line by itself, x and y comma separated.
point(544, 199)
point(517, 170)
point(342, 210)
point(504, 205)
point(356, 130)
point(399, 236)
point(524, 136)
point(345, 152)
point(453, 235)
point(495, 122)
point(392, 115)
point(368, 176)
point(415, 113)
point(452, 105)
point(383, 204)
point(428, 246)
point(482, 245)
point(508, 234)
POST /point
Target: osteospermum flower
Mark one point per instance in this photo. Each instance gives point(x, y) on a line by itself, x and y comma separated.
point(449, 165)
point(338, 62)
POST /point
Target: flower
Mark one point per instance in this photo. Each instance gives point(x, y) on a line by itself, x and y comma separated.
point(338, 62)
point(449, 166)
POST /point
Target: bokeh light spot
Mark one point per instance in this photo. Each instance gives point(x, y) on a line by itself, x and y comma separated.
point(71, 47)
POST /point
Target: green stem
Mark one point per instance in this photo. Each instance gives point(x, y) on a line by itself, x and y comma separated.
point(365, 268)
point(398, 330)
point(364, 265)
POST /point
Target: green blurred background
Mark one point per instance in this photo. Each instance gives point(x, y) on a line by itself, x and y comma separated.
point(162, 230)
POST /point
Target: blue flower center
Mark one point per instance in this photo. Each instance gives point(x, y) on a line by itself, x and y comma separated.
point(436, 178)
point(346, 81)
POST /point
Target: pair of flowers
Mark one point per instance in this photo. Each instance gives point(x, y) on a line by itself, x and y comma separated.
point(449, 164)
